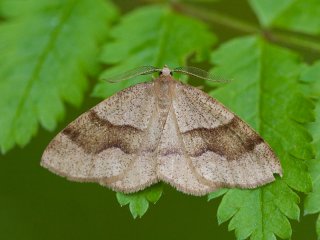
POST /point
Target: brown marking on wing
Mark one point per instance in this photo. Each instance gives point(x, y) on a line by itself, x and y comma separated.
point(230, 140)
point(94, 134)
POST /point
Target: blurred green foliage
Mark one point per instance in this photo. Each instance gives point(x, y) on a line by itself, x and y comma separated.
point(46, 52)
point(263, 79)
point(52, 52)
point(297, 15)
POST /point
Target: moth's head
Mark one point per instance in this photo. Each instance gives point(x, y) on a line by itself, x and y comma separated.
point(165, 71)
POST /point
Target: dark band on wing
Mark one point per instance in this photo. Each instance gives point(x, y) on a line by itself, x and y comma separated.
point(94, 134)
point(230, 140)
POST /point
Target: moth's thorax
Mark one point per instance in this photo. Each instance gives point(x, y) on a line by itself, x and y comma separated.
point(166, 71)
point(164, 89)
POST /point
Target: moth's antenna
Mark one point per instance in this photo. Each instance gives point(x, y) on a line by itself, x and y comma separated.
point(197, 72)
point(144, 70)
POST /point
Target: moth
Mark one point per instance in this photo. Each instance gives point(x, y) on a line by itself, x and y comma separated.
point(162, 130)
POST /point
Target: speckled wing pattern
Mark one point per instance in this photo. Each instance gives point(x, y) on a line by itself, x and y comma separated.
point(218, 149)
point(110, 143)
point(162, 131)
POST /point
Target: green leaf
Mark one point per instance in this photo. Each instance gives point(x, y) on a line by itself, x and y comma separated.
point(312, 202)
point(297, 15)
point(311, 76)
point(139, 202)
point(153, 35)
point(217, 193)
point(257, 213)
point(267, 11)
point(47, 49)
point(265, 85)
